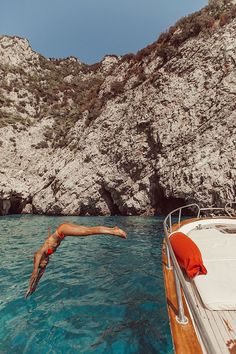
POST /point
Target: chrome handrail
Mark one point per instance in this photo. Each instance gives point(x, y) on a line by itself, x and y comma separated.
point(180, 281)
point(230, 205)
point(168, 220)
point(211, 209)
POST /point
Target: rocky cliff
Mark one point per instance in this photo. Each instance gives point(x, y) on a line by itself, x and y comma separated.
point(138, 134)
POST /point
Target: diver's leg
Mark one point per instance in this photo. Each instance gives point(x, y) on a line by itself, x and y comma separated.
point(78, 230)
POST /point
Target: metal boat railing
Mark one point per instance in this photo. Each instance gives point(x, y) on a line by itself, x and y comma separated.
point(178, 275)
point(212, 212)
point(168, 224)
point(230, 208)
point(199, 211)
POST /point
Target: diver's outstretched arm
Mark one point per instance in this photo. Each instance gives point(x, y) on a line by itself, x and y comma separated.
point(78, 230)
point(33, 287)
point(35, 273)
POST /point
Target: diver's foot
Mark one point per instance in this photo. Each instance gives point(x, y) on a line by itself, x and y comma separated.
point(120, 233)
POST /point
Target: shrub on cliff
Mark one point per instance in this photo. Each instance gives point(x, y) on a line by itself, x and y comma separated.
point(203, 21)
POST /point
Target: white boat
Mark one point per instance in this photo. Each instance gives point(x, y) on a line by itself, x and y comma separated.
point(201, 307)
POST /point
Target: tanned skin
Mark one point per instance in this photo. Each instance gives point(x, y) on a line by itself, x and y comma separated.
point(53, 241)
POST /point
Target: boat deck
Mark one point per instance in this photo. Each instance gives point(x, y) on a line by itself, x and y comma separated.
point(219, 324)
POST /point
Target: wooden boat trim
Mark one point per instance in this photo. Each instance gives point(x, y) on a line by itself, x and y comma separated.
point(184, 336)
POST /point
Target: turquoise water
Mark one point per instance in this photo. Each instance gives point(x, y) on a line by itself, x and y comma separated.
point(99, 294)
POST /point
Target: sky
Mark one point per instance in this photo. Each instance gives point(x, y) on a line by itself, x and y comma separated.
point(91, 29)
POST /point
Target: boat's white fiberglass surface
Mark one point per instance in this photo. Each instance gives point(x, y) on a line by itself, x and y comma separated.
point(216, 239)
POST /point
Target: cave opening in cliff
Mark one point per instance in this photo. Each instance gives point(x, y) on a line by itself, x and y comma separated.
point(169, 204)
point(113, 208)
point(16, 206)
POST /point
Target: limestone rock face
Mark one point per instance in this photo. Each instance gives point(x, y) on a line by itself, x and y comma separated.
point(15, 51)
point(152, 135)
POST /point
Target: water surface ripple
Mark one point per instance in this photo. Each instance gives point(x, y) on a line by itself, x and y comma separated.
point(99, 294)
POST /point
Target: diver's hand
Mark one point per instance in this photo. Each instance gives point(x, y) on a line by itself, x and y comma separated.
point(28, 292)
